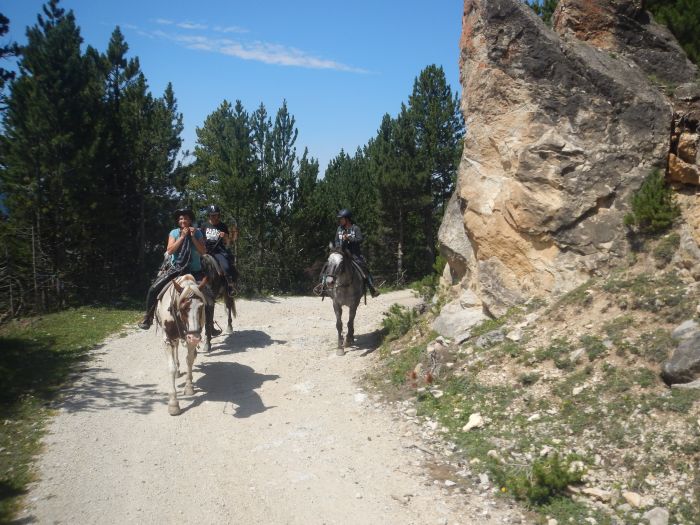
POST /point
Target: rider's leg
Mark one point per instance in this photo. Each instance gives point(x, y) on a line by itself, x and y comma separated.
point(368, 279)
point(151, 299)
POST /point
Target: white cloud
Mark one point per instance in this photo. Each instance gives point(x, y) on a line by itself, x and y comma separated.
point(268, 53)
point(230, 29)
point(164, 21)
point(190, 25)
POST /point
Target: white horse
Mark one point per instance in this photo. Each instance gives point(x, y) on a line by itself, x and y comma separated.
point(180, 313)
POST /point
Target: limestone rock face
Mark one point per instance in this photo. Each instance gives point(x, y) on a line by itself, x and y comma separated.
point(622, 26)
point(561, 130)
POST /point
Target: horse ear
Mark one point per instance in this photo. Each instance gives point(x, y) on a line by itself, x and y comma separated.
point(177, 287)
point(203, 282)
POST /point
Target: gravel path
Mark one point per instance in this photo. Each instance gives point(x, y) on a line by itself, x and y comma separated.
point(278, 432)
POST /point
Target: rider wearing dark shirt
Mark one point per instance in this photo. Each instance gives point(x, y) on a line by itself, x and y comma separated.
point(217, 237)
point(348, 237)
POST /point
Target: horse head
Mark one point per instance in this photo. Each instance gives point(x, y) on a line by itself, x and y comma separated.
point(189, 307)
point(337, 266)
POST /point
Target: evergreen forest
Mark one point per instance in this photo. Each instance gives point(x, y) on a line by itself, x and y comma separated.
point(91, 169)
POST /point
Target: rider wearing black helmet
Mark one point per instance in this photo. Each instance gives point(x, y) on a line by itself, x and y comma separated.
point(349, 237)
point(218, 237)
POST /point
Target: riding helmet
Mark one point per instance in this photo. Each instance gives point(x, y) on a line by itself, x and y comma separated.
point(184, 211)
point(212, 209)
point(345, 213)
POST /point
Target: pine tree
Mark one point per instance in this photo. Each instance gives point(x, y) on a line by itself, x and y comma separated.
point(682, 17)
point(544, 9)
point(439, 130)
point(50, 127)
point(6, 51)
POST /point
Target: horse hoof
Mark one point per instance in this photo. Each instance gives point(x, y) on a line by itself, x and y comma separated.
point(229, 329)
point(349, 342)
point(206, 348)
point(340, 351)
point(174, 410)
point(189, 390)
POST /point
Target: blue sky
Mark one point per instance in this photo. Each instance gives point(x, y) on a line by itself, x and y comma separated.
point(339, 65)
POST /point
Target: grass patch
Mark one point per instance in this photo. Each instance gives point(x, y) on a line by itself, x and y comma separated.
point(579, 296)
point(656, 346)
point(558, 351)
point(666, 248)
point(593, 346)
point(37, 357)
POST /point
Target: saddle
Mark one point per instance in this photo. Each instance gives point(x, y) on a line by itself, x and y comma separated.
point(214, 264)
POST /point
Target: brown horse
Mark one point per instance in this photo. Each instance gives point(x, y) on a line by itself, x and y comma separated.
point(217, 287)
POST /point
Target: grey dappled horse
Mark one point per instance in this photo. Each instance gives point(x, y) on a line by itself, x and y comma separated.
point(345, 285)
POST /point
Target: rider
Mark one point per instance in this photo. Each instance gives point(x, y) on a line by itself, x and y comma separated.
point(348, 237)
point(185, 245)
point(218, 238)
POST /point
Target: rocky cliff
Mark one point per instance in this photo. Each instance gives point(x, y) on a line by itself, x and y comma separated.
point(563, 125)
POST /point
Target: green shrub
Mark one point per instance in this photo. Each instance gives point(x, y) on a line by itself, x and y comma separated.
point(545, 479)
point(653, 206)
point(428, 285)
point(398, 321)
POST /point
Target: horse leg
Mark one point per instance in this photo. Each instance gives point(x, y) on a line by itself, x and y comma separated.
point(209, 321)
point(350, 338)
point(229, 307)
point(339, 326)
point(191, 354)
point(171, 357)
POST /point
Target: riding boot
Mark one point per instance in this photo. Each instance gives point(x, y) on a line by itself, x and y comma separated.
point(209, 321)
point(147, 321)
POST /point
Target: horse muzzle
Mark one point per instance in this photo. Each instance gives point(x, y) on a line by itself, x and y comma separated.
point(193, 338)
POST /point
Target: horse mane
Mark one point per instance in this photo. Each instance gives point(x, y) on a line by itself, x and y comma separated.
point(190, 289)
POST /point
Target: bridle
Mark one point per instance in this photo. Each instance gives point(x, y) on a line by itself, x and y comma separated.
point(181, 298)
point(336, 268)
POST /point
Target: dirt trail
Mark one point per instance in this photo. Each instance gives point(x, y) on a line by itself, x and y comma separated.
point(278, 432)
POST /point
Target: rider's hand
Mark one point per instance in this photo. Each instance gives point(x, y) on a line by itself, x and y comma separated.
point(222, 234)
point(186, 231)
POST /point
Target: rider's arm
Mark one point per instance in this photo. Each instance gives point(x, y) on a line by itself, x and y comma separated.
point(198, 240)
point(354, 235)
point(174, 244)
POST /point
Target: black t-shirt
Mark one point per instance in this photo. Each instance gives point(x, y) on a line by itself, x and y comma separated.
point(211, 236)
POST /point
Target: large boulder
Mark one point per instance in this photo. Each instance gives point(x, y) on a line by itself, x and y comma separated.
point(684, 364)
point(459, 316)
point(454, 243)
point(560, 132)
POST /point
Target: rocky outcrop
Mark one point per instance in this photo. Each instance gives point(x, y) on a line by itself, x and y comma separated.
point(562, 127)
point(683, 158)
point(684, 364)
